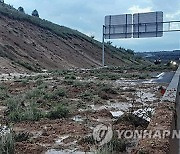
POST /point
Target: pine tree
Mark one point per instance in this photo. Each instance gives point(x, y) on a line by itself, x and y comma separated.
point(35, 13)
point(21, 9)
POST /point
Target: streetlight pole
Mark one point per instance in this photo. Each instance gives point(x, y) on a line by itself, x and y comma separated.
point(103, 48)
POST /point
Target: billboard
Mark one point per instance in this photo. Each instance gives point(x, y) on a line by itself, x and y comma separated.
point(148, 24)
point(118, 26)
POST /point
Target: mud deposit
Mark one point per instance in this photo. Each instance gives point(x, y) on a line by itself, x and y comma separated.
point(56, 113)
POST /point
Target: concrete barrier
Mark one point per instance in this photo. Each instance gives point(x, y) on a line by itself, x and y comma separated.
point(166, 117)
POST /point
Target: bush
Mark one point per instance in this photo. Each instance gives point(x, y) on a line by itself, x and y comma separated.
point(21, 9)
point(35, 13)
point(29, 114)
point(133, 119)
point(55, 94)
point(35, 93)
point(108, 90)
point(70, 77)
point(21, 136)
point(87, 95)
point(87, 140)
point(6, 141)
point(115, 146)
point(59, 112)
point(3, 95)
point(18, 112)
point(60, 92)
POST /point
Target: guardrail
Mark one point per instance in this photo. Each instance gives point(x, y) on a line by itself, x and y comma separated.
point(166, 117)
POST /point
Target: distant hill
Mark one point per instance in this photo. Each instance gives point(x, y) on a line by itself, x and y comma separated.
point(31, 43)
point(163, 55)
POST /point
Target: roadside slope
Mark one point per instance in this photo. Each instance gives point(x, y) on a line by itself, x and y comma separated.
point(35, 44)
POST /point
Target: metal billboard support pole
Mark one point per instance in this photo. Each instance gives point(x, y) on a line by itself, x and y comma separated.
point(103, 48)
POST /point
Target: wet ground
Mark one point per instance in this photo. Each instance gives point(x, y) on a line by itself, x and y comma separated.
point(89, 100)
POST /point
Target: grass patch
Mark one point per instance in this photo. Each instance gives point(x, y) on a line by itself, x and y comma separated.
point(114, 146)
point(35, 93)
point(87, 95)
point(19, 112)
point(6, 141)
point(55, 94)
point(60, 111)
point(70, 77)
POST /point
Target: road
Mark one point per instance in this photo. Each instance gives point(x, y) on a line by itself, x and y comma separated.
point(164, 77)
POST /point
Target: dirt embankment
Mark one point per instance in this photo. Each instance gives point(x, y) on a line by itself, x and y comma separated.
point(25, 45)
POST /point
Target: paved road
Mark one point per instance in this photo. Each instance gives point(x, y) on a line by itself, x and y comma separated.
point(164, 77)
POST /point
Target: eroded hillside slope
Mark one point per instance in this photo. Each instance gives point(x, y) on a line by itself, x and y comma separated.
point(28, 45)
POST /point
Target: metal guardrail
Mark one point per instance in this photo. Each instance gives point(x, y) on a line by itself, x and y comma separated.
point(166, 117)
point(172, 95)
point(172, 91)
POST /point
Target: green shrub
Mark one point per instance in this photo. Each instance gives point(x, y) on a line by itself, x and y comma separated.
point(87, 95)
point(28, 114)
point(87, 140)
point(35, 93)
point(55, 94)
point(60, 92)
point(6, 141)
point(108, 90)
point(21, 136)
point(19, 112)
point(3, 95)
point(79, 84)
point(70, 77)
point(133, 119)
point(58, 112)
point(114, 146)
point(39, 82)
point(68, 82)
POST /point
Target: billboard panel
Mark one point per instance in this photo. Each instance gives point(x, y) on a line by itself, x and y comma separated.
point(118, 26)
point(148, 24)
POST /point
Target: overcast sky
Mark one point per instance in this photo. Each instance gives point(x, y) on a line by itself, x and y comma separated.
point(88, 17)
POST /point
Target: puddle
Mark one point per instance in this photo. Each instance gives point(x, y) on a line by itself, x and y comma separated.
point(12, 76)
point(102, 120)
point(4, 130)
point(112, 106)
point(145, 96)
point(120, 106)
point(37, 134)
point(116, 114)
point(77, 118)
point(54, 151)
point(3, 108)
point(117, 109)
point(59, 141)
point(99, 107)
point(127, 83)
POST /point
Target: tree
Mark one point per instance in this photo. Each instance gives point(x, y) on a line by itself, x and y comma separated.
point(1, 1)
point(109, 43)
point(35, 13)
point(130, 51)
point(92, 36)
point(21, 9)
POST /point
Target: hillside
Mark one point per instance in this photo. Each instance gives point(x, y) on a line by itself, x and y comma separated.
point(165, 56)
point(30, 43)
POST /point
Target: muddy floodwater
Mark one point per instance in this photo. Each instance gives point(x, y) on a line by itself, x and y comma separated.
point(57, 113)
